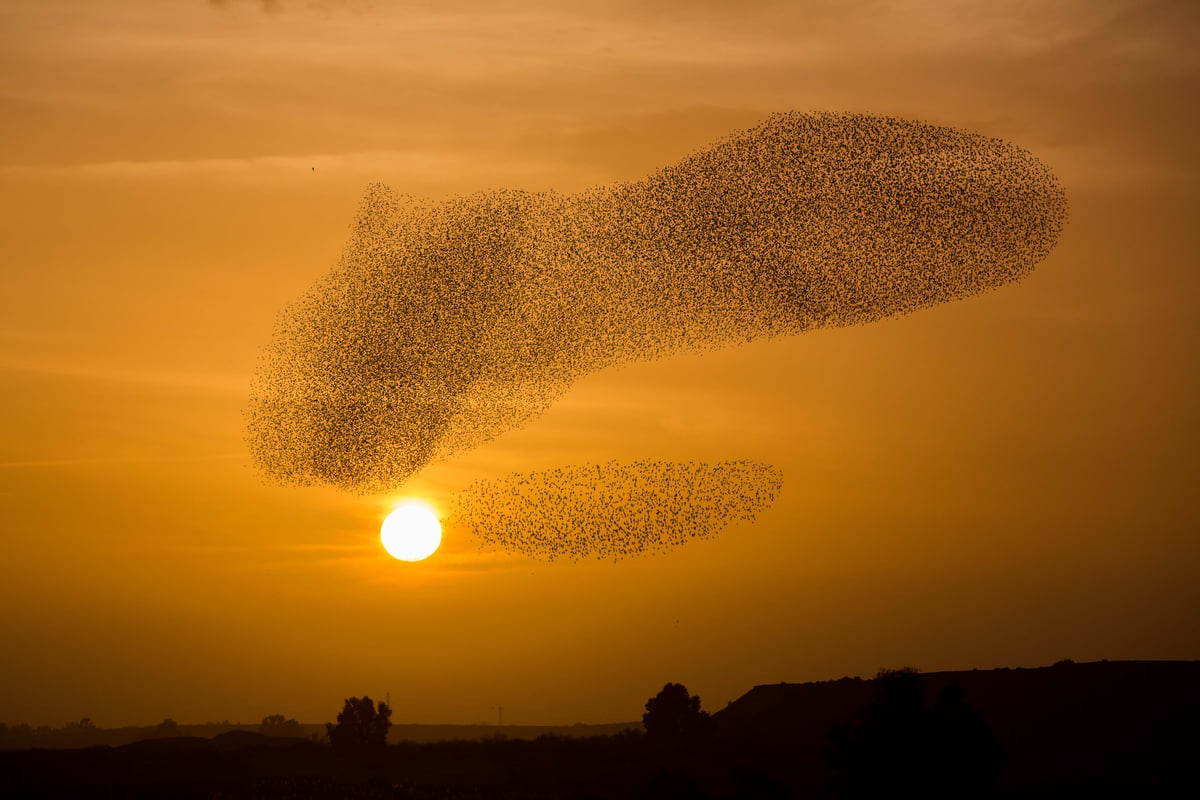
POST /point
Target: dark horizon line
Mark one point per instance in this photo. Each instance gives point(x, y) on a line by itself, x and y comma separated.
point(484, 724)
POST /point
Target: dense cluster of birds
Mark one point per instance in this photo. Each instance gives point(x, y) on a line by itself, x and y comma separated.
point(613, 510)
point(445, 324)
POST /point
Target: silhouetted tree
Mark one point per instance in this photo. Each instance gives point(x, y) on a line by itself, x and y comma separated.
point(278, 725)
point(360, 725)
point(673, 715)
point(902, 745)
point(13, 735)
point(166, 729)
point(972, 757)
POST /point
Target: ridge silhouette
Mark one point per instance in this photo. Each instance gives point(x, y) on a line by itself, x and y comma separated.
point(1102, 728)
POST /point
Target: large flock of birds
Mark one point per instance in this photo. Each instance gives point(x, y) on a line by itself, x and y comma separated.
point(612, 511)
point(446, 324)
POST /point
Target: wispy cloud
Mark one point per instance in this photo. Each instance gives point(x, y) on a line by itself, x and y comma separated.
point(224, 384)
point(353, 549)
point(422, 166)
point(105, 462)
point(267, 5)
point(362, 552)
point(273, 6)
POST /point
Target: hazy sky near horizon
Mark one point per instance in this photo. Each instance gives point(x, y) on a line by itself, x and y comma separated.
point(1006, 480)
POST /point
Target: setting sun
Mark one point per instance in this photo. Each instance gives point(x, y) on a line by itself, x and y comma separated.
point(411, 532)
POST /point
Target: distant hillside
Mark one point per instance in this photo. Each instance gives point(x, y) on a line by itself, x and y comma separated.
point(1012, 700)
point(23, 737)
point(1105, 718)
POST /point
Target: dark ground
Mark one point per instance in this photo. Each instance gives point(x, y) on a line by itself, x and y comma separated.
point(1109, 728)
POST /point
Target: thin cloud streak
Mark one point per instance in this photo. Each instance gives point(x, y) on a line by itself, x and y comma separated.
point(422, 164)
point(104, 462)
point(368, 550)
point(268, 6)
point(214, 383)
point(483, 43)
point(300, 548)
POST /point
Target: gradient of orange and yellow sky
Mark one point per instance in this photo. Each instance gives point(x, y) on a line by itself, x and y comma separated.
point(1006, 480)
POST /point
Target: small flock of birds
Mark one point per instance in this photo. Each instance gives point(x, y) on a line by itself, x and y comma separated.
point(613, 511)
point(446, 324)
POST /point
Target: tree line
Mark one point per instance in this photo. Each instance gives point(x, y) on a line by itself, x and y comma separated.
point(899, 740)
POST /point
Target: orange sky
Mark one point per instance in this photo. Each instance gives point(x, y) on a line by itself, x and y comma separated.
point(1006, 480)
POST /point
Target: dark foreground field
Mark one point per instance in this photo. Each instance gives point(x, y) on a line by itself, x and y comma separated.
point(1109, 728)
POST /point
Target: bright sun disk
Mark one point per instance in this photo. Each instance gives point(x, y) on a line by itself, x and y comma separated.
point(411, 532)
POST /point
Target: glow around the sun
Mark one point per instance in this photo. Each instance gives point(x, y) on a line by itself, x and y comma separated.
point(411, 532)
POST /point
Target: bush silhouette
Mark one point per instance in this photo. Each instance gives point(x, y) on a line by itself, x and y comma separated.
point(166, 729)
point(278, 725)
point(903, 745)
point(673, 715)
point(360, 726)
